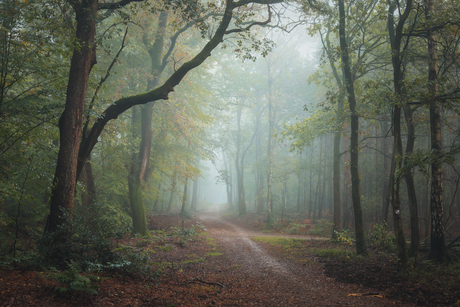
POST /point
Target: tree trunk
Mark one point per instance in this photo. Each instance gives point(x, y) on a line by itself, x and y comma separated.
point(183, 211)
point(194, 196)
point(157, 199)
point(411, 192)
point(259, 172)
point(229, 181)
point(271, 124)
point(400, 95)
point(337, 137)
point(140, 164)
point(354, 141)
point(173, 190)
point(88, 197)
point(438, 249)
point(71, 121)
point(239, 171)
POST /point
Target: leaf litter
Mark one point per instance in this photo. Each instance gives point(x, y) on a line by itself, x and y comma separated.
point(226, 266)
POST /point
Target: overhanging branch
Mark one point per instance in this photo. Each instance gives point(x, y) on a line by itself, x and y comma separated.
point(260, 23)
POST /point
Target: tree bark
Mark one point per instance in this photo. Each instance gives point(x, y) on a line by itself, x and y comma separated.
point(354, 141)
point(409, 178)
point(71, 121)
point(140, 164)
point(438, 249)
point(398, 79)
point(183, 211)
point(271, 124)
point(194, 196)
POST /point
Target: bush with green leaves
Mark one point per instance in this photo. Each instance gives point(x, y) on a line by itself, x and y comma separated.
point(184, 234)
point(380, 237)
point(322, 228)
point(78, 241)
point(295, 228)
point(345, 236)
point(71, 281)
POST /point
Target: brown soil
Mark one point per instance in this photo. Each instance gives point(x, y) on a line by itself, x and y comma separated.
point(226, 268)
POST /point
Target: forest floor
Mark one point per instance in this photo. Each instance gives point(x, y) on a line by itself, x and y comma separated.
point(235, 263)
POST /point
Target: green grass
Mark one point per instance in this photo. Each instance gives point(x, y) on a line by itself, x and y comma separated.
point(332, 253)
point(280, 241)
point(214, 254)
point(165, 248)
point(193, 261)
point(211, 241)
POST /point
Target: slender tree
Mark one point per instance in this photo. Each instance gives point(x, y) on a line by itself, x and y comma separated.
point(438, 249)
point(354, 133)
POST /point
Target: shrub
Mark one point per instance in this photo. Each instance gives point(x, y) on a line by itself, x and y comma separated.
point(184, 234)
point(379, 236)
point(77, 242)
point(345, 236)
point(72, 281)
point(322, 228)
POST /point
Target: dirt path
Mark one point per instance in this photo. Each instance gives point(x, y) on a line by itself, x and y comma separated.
point(277, 282)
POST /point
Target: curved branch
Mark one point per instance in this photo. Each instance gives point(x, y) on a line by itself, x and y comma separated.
point(160, 93)
point(257, 23)
point(116, 5)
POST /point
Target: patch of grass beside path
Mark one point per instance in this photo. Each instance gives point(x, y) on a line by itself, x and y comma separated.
point(279, 241)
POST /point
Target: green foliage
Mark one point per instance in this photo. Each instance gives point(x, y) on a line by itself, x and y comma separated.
point(295, 228)
point(77, 241)
point(71, 281)
point(345, 236)
point(322, 228)
point(380, 237)
point(184, 234)
point(336, 254)
point(287, 243)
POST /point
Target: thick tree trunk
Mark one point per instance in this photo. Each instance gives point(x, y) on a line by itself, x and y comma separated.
point(71, 121)
point(88, 198)
point(136, 201)
point(354, 141)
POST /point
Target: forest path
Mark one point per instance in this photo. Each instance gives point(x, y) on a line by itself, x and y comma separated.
point(279, 282)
